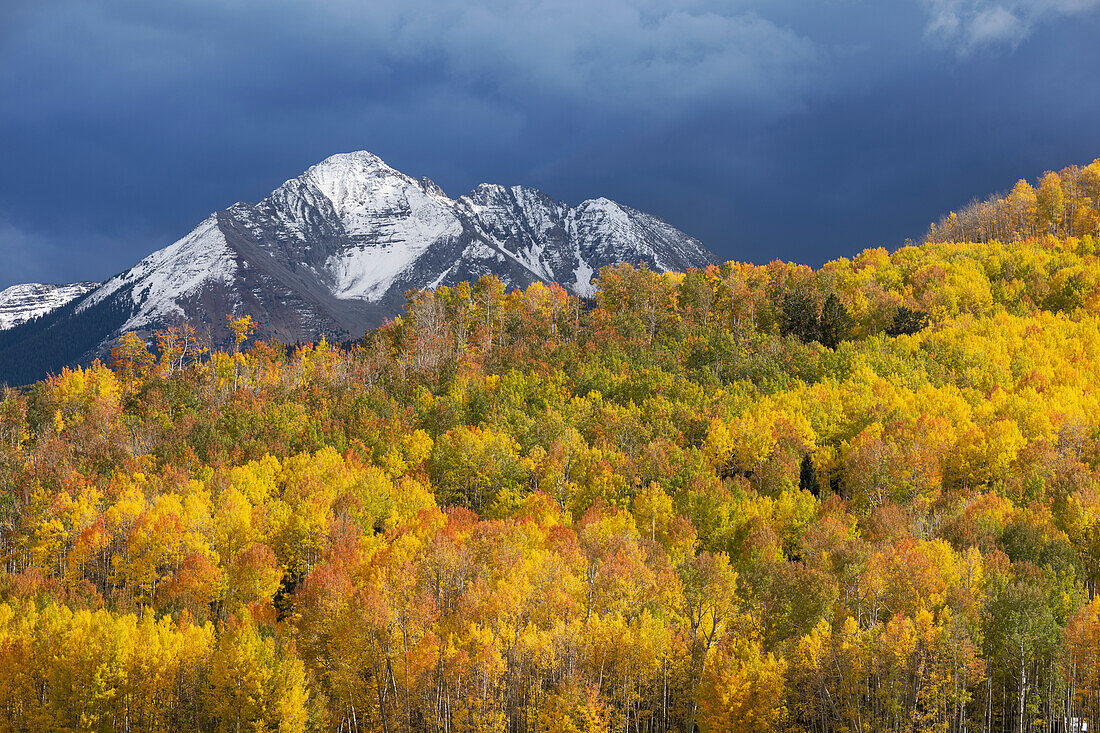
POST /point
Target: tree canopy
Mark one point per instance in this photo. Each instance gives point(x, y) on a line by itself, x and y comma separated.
point(858, 498)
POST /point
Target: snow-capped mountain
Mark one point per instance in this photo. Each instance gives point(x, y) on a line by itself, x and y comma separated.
point(21, 303)
point(334, 250)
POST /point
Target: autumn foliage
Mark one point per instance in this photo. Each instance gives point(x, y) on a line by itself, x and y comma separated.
point(750, 498)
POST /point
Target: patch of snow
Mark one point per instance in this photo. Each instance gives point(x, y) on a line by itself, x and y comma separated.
point(366, 271)
point(439, 280)
point(583, 285)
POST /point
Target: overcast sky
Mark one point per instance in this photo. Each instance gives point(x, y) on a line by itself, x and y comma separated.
point(795, 129)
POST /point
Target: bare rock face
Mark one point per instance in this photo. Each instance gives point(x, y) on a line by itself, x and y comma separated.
point(334, 250)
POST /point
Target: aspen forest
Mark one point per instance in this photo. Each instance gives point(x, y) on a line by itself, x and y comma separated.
point(1063, 203)
point(859, 498)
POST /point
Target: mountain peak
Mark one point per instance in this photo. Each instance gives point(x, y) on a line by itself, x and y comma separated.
point(360, 185)
point(345, 171)
point(363, 158)
point(334, 250)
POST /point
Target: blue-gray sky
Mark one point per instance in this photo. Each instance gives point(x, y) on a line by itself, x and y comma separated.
point(798, 129)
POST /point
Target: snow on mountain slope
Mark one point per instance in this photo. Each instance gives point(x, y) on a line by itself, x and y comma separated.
point(334, 250)
point(21, 303)
point(159, 283)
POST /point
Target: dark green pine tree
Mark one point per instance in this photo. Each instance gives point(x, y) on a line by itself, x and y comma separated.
point(907, 321)
point(836, 324)
point(807, 476)
point(798, 316)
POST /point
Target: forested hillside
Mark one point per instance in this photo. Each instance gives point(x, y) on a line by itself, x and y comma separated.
point(1063, 203)
point(750, 498)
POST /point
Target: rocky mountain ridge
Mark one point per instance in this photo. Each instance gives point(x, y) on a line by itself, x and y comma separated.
point(334, 250)
point(22, 303)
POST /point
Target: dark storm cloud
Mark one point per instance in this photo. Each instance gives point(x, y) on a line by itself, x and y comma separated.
point(801, 130)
